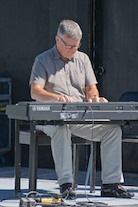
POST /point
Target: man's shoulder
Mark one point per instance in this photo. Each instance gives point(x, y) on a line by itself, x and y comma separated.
point(46, 54)
point(81, 55)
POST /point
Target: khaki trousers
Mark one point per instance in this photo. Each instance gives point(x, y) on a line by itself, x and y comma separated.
point(110, 137)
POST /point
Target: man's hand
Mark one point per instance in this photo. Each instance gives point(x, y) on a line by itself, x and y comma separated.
point(64, 98)
point(38, 93)
point(95, 98)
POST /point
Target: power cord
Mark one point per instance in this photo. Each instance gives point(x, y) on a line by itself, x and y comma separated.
point(89, 203)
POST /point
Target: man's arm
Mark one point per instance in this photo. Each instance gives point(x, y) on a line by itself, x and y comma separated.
point(92, 94)
point(38, 93)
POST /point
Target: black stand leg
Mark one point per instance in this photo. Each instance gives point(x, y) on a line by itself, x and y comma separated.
point(75, 165)
point(17, 159)
point(93, 167)
point(33, 153)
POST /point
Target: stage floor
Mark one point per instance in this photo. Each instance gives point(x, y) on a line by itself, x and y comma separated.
point(47, 184)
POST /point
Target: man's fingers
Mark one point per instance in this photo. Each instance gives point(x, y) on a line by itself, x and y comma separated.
point(98, 99)
point(65, 98)
point(103, 99)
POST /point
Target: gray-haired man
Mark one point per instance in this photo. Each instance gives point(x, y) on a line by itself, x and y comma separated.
point(65, 74)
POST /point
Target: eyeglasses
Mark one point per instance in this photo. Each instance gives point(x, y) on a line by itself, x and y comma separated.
point(69, 46)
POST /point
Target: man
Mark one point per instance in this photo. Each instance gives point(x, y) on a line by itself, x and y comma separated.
point(64, 74)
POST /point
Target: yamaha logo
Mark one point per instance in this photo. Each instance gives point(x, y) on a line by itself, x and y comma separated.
point(41, 108)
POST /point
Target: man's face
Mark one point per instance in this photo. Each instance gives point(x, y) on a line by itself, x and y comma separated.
point(66, 46)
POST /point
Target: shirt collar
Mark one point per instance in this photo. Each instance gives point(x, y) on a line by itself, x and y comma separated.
point(57, 55)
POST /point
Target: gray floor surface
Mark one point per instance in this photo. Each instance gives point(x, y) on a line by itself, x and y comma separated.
point(47, 184)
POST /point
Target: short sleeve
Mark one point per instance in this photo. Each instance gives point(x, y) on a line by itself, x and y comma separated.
point(38, 74)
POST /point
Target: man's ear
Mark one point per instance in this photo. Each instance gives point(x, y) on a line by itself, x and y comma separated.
point(57, 39)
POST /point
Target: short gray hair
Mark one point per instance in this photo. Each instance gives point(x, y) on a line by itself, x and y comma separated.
point(70, 28)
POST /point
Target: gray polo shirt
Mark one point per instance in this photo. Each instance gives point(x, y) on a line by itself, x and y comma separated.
point(63, 77)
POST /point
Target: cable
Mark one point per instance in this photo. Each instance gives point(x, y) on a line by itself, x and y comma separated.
point(32, 193)
point(91, 156)
point(42, 199)
point(91, 161)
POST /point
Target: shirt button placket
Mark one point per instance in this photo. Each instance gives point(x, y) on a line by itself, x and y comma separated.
point(67, 75)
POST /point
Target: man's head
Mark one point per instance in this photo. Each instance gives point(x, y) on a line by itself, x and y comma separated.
point(68, 38)
point(69, 28)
